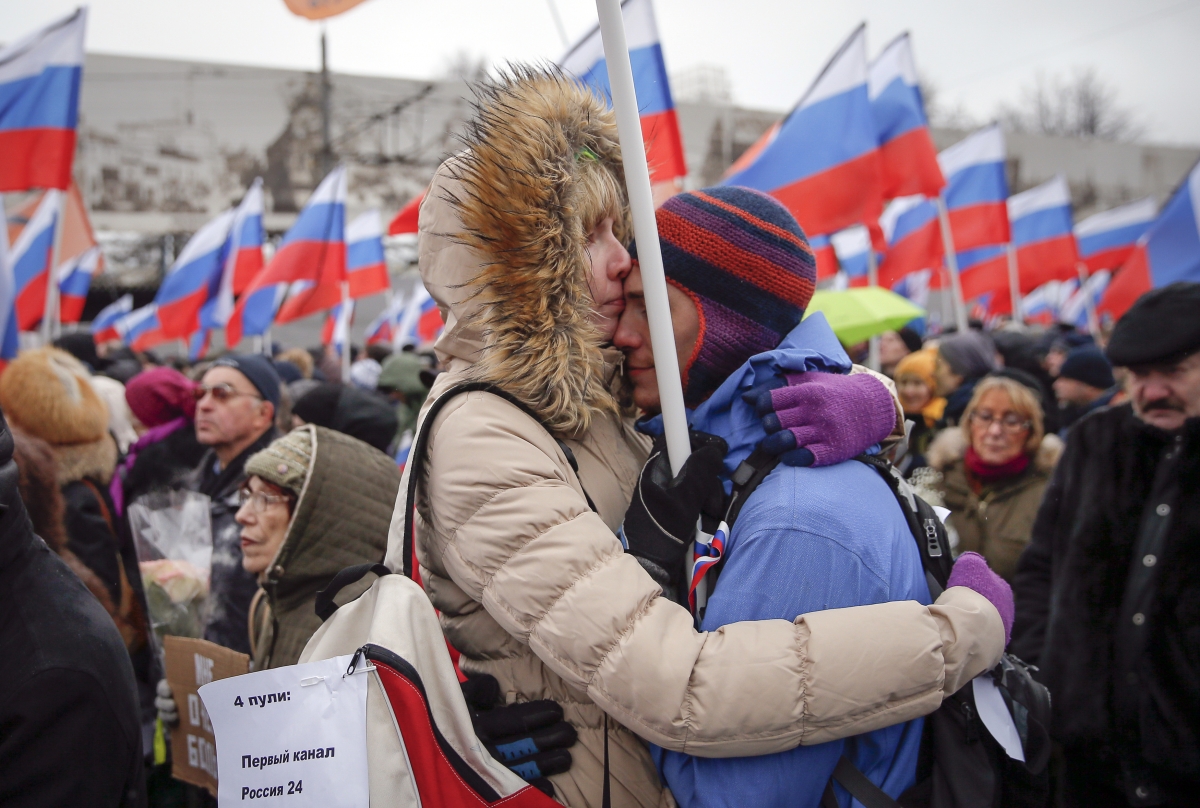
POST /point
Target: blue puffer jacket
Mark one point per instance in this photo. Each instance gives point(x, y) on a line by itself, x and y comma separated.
point(808, 539)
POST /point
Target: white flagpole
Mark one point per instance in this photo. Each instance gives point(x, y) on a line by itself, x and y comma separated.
point(873, 361)
point(645, 228)
point(50, 315)
point(960, 307)
point(1089, 304)
point(1014, 284)
point(344, 313)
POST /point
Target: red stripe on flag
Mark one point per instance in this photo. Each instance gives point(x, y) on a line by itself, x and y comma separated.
point(979, 226)
point(36, 158)
point(1128, 284)
point(181, 318)
point(31, 303)
point(921, 249)
point(70, 308)
point(1045, 261)
point(369, 281)
point(249, 262)
point(1108, 259)
point(910, 165)
point(988, 276)
point(847, 194)
point(664, 146)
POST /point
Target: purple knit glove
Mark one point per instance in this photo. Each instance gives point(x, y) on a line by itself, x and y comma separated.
point(826, 416)
point(972, 571)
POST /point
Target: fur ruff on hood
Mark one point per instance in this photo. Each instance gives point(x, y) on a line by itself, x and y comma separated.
point(950, 446)
point(516, 194)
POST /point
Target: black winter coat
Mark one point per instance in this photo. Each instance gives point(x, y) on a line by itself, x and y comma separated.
point(69, 729)
point(1069, 587)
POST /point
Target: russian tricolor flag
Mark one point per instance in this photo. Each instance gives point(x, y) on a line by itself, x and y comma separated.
point(823, 160)
point(192, 279)
point(74, 280)
point(827, 262)
point(104, 327)
point(30, 261)
point(660, 126)
point(1106, 239)
point(914, 238)
point(40, 76)
point(421, 322)
point(1168, 252)
point(909, 158)
point(140, 329)
point(976, 189)
point(384, 328)
point(312, 251)
point(1074, 311)
point(366, 268)
point(852, 247)
point(1041, 225)
point(241, 262)
point(337, 326)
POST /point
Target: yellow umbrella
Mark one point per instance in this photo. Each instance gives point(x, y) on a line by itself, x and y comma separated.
point(859, 314)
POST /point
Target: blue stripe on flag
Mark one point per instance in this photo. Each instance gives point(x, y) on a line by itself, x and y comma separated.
point(897, 110)
point(365, 253)
point(35, 260)
point(324, 221)
point(1041, 225)
point(49, 100)
point(1110, 239)
point(1174, 246)
point(649, 80)
point(976, 184)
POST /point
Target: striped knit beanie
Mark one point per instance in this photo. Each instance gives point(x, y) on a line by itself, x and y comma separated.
point(747, 265)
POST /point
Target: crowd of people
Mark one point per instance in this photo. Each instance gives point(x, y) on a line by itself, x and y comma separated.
point(553, 537)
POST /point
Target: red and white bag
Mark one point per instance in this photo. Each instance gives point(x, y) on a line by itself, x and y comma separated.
point(421, 747)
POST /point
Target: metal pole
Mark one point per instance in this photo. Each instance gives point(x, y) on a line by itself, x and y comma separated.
point(266, 342)
point(960, 307)
point(1014, 284)
point(873, 361)
point(50, 314)
point(645, 228)
point(326, 142)
point(1089, 304)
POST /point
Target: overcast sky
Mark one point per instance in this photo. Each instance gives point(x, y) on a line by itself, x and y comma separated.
point(977, 54)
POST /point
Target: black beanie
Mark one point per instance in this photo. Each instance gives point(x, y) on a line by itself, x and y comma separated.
point(1088, 365)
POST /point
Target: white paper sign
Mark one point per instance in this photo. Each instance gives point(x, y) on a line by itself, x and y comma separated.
point(292, 737)
point(994, 714)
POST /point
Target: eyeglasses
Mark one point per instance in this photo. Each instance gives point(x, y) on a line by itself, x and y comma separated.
point(1010, 421)
point(258, 500)
point(220, 392)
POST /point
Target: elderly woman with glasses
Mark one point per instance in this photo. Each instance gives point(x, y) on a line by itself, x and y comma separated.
point(992, 470)
point(314, 502)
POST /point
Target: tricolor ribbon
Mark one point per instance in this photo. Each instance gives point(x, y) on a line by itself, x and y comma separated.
point(705, 556)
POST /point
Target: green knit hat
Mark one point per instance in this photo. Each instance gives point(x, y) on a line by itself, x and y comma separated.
point(286, 461)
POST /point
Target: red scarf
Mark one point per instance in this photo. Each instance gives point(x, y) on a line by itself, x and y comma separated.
point(987, 473)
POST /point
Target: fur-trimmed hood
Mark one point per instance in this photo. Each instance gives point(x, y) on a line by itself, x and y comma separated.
point(950, 446)
point(502, 244)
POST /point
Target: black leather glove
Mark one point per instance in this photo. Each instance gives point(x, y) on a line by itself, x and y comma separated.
point(531, 738)
point(661, 521)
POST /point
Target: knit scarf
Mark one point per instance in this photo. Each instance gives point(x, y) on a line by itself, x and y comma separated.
point(987, 473)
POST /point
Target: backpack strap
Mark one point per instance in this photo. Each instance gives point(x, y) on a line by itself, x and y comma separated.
point(927, 529)
point(861, 788)
point(417, 457)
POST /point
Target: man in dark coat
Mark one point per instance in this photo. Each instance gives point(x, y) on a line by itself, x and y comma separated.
point(1108, 592)
point(235, 417)
point(69, 724)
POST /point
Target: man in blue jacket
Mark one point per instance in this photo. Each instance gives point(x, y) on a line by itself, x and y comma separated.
point(812, 536)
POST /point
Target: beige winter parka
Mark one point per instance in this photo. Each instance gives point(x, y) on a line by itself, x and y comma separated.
point(532, 586)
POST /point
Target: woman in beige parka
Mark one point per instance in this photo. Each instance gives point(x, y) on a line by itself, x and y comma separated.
point(533, 587)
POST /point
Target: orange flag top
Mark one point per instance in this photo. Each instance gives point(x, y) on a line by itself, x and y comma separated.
point(320, 9)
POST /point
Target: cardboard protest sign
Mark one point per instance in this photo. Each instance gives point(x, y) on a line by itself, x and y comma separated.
point(191, 664)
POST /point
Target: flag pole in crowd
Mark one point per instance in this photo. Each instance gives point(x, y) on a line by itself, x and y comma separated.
point(1014, 282)
point(645, 228)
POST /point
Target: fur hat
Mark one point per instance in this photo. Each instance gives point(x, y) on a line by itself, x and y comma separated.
point(286, 461)
point(747, 265)
point(46, 393)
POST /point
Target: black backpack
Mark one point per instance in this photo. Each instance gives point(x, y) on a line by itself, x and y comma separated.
point(960, 764)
